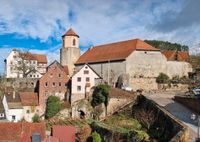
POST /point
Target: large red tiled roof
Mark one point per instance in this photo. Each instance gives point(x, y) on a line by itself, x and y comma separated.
point(29, 98)
point(114, 51)
point(70, 32)
point(64, 133)
point(176, 55)
point(41, 58)
point(21, 131)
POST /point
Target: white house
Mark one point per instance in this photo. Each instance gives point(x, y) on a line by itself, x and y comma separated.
point(82, 82)
point(19, 63)
point(13, 107)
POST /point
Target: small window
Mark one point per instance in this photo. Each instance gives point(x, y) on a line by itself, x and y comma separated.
point(87, 79)
point(51, 75)
point(74, 42)
point(27, 111)
point(78, 88)
point(59, 75)
point(46, 84)
point(30, 75)
point(60, 84)
point(79, 79)
point(54, 84)
point(46, 94)
point(13, 117)
point(86, 72)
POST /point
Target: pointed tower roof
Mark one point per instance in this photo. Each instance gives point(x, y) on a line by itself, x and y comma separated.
point(70, 32)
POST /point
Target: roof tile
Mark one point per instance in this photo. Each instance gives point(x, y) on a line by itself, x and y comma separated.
point(114, 51)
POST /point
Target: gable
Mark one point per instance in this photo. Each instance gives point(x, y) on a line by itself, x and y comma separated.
point(86, 68)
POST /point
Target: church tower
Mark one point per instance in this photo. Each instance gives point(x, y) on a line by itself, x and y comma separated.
point(70, 51)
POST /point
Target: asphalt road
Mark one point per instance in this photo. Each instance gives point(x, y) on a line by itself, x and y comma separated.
point(165, 100)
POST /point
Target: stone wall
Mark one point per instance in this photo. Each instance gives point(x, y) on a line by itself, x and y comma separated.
point(27, 84)
point(176, 68)
point(172, 129)
point(191, 102)
point(143, 83)
point(145, 64)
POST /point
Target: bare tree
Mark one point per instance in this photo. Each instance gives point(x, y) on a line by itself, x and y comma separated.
point(146, 117)
point(24, 63)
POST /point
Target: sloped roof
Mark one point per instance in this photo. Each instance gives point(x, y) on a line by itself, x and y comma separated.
point(29, 98)
point(70, 32)
point(64, 133)
point(12, 97)
point(176, 55)
point(21, 131)
point(114, 51)
point(64, 68)
point(41, 58)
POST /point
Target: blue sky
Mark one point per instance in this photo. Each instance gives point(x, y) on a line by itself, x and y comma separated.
point(37, 25)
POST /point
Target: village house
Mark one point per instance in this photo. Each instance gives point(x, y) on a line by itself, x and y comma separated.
point(30, 104)
point(82, 82)
point(12, 106)
point(25, 64)
point(53, 83)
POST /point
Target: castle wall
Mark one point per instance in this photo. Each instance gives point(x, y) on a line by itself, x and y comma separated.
point(145, 64)
point(175, 68)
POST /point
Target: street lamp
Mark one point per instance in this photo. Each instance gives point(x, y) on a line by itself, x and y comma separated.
point(197, 117)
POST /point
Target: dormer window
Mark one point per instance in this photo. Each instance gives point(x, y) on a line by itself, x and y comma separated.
point(74, 42)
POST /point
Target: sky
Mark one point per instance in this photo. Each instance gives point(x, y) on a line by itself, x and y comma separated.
point(37, 25)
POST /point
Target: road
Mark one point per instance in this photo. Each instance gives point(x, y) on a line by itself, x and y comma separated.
point(165, 99)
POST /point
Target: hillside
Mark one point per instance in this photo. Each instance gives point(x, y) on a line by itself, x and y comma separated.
point(165, 45)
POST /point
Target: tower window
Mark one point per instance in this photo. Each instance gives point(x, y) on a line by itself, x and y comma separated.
point(74, 42)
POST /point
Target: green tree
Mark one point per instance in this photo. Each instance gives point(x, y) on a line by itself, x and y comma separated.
point(100, 95)
point(96, 137)
point(36, 118)
point(162, 78)
point(53, 106)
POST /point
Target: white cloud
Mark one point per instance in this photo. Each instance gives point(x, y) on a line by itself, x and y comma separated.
point(96, 21)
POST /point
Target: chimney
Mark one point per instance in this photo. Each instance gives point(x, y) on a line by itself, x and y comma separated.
point(36, 137)
point(14, 95)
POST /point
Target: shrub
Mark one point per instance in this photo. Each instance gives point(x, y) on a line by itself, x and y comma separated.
point(53, 106)
point(96, 137)
point(36, 118)
point(162, 78)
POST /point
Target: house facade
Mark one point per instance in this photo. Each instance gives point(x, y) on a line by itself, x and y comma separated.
point(13, 107)
point(30, 105)
point(53, 83)
point(19, 64)
point(132, 63)
point(82, 82)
